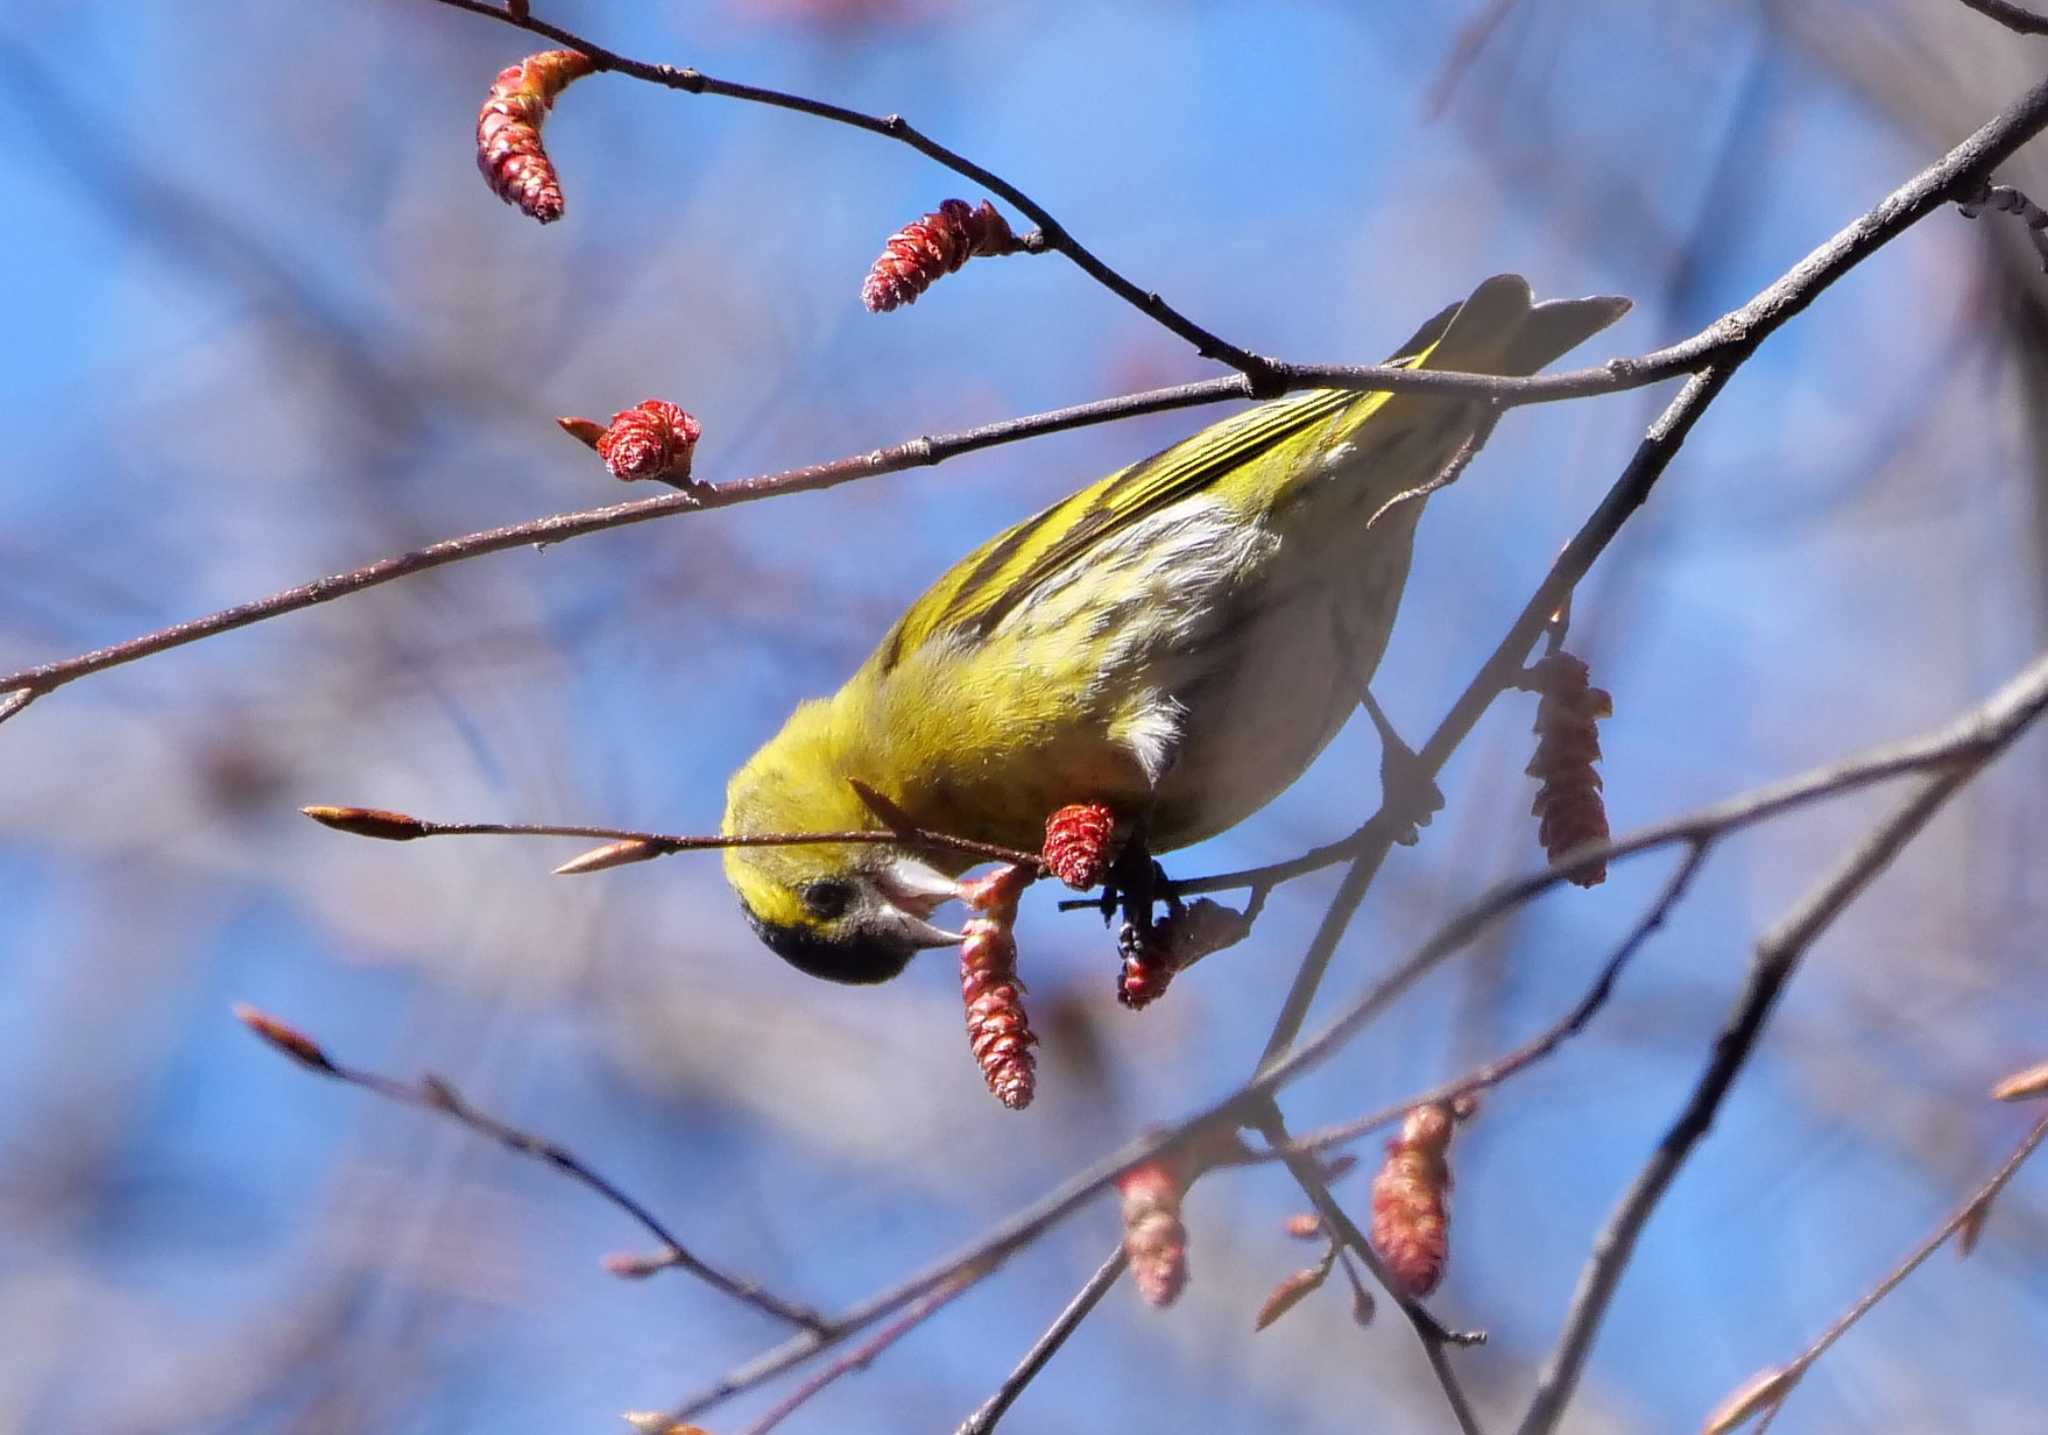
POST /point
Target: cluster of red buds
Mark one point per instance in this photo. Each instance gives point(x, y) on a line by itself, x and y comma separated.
point(508, 148)
point(1568, 805)
point(998, 1030)
point(1080, 843)
point(925, 250)
point(1184, 936)
point(1411, 1198)
point(1154, 1238)
point(653, 439)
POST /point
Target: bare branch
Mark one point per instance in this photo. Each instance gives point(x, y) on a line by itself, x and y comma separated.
point(1530, 1052)
point(1435, 1337)
point(863, 1356)
point(923, 451)
point(431, 1093)
point(1777, 958)
point(1052, 234)
point(1970, 1211)
point(400, 827)
point(992, 1410)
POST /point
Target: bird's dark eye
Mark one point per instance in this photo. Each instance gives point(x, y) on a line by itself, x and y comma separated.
point(826, 899)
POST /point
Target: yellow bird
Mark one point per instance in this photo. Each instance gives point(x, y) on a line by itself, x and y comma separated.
point(1178, 641)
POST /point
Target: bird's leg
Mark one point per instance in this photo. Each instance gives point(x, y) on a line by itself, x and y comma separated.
point(1134, 882)
point(1408, 793)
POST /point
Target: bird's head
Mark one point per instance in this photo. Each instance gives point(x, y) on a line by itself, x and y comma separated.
point(847, 912)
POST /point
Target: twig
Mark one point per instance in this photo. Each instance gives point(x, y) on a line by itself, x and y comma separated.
point(992, 1410)
point(1970, 1210)
point(923, 451)
point(402, 827)
point(863, 1355)
point(431, 1093)
point(1052, 234)
point(2013, 17)
point(15, 702)
point(1975, 735)
point(1435, 1337)
point(1530, 1052)
point(1777, 957)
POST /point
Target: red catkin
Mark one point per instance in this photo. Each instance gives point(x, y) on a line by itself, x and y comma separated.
point(508, 147)
point(653, 439)
point(1411, 1200)
point(998, 1030)
point(1079, 843)
point(926, 249)
point(1154, 1238)
point(1569, 809)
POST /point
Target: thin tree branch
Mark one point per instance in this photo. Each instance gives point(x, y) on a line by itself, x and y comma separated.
point(431, 1093)
point(992, 1410)
point(920, 1311)
point(1436, 1339)
point(923, 451)
point(1777, 957)
point(15, 702)
point(1055, 235)
point(1549, 1040)
point(1970, 1210)
point(402, 827)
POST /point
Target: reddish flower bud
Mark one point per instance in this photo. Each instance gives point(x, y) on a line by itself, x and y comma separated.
point(368, 822)
point(287, 1039)
point(1290, 1293)
point(1568, 805)
point(508, 148)
point(624, 852)
point(1304, 1226)
point(653, 439)
point(938, 244)
point(1411, 1200)
point(1079, 843)
point(1154, 1237)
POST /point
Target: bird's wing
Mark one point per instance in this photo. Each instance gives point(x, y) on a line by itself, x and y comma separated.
point(1478, 334)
